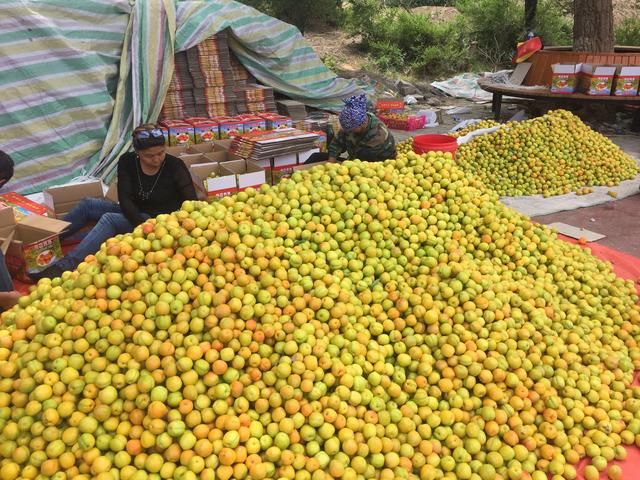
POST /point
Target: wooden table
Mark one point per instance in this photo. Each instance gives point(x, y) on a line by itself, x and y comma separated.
point(500, 90)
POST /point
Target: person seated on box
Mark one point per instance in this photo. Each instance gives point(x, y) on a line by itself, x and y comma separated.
point(8, 294)
point(363, 136)
point(150, 182)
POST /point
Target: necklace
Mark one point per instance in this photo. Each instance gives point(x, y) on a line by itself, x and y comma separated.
point(142, 193)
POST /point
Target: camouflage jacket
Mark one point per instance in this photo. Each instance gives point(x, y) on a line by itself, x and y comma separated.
point(375, 144)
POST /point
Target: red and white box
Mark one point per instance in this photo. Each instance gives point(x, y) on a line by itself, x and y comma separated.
point(627, 81)
point(248, 174)
point(283, 167)
point(222, 185)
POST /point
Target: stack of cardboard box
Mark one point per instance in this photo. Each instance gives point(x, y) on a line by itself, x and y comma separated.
point(29, 232)
point(595, 80)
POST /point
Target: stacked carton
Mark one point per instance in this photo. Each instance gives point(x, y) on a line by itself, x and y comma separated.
point(595, 80)
point(241, 76)
point(292, 109)
point(210, 82)
point(180, 102)
point(255, 98)
point(210, 69)
point(277, 152)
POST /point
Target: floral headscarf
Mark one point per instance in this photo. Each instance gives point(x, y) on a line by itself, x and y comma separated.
point(354, 112)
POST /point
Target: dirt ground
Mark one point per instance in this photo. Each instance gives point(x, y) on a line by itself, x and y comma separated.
point(623, 9)
point(619, 221)
point(337, 46)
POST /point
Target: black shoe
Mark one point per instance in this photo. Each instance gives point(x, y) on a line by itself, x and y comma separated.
point(52, 271)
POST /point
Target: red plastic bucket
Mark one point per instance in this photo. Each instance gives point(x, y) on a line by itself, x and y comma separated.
point(435, 143)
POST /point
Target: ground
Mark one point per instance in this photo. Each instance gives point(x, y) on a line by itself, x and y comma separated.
point(619, 221)
point(623, 9)
point(438, 14)
point(338, 50)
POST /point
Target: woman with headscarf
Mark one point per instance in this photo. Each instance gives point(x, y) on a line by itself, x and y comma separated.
point(363, 136)
point(150, 182)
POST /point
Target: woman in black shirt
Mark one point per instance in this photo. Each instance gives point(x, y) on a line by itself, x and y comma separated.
point(150, 182)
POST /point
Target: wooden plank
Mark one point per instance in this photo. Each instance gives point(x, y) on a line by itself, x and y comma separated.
point(520, 72)
point(576, 232)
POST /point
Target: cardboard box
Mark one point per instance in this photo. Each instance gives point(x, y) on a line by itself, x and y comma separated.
point(304, 156)
point(222, 185)
point(224, 144)
point(231, 128)
point(181, 135)
point(596, 80)
point(179, 150)
point(203, 148)
point(564, 78)
point(206, 131)
point(627, 81)
point(265, 163)
point(194, 120)
point(112, 192)
point(275, 121)
point(221, 156)
point(165, 133)
point(21, 205)
point(60, 200)
point(194, 159)
point(283, 166)
point(251, 123)
point(248, 174)
point(34, 242)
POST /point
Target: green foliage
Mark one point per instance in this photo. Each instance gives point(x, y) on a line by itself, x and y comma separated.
point(495, 26)
point(408, 4)
point(363, 18)
point(553, 24)
point(399, 41)
point(483, 36)
point(628, 33)
point(301, 13)
point(330, 62)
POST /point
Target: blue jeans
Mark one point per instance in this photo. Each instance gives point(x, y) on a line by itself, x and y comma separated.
point(6, 284)
point(110, 222)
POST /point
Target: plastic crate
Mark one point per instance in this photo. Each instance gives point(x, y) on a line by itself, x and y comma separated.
point(412, 122)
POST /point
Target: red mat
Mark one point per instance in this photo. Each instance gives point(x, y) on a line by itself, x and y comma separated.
point(626, 266)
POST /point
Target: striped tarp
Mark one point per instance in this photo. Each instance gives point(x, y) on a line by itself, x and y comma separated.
point(77, 75)
point(58, 75)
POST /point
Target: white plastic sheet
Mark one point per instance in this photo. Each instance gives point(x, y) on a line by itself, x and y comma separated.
point(538, 205)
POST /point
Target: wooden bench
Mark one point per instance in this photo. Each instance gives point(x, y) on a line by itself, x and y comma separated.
point(540, 74)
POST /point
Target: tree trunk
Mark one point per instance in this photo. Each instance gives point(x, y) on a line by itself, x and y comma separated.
point(593, 26)
point(530, 7)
